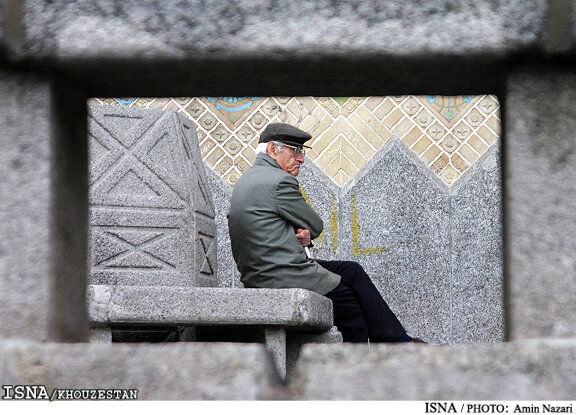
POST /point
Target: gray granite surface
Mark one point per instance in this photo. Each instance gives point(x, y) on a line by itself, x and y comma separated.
point(526, 370)
point(323, 195)
point(24, 205)
point(477, 269)
point(541, 199)
point(403, 216)
point(177, 371)
point(151, 211)
point(61, 29)
point(209, 305)
point(227, 273)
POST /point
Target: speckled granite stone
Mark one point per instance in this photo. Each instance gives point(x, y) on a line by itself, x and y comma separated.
point(151, 212)
point(322, 194)
point(477, 253)
point(541, 197)
point(402, 209)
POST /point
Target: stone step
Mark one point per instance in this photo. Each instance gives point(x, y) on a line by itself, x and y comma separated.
point(520, 370)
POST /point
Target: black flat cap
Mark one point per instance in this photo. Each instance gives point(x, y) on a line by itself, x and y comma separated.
point(284, 133)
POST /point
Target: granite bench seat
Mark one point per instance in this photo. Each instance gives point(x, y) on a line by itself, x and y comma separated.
point(303, 313)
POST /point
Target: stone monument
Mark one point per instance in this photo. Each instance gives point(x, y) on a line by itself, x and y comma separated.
point(151, 214)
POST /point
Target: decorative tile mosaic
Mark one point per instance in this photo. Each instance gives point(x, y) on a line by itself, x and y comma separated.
point(448, 134)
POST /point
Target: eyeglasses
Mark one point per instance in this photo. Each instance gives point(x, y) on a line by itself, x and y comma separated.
point(297, 150)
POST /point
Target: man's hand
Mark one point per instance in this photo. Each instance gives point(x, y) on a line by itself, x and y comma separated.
point(303, 236)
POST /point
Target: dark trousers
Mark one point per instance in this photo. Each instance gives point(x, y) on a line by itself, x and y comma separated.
point(360, 312)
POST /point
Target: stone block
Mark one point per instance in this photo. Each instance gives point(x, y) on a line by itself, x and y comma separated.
point(61, 30)
point(24, 205)
point(540, 194)
point(521, 370)
point(477, 253)
point(395, 223)
point(323, 196)
point(177, 371)
point(151, 211)
point(295, 307)
point(227, 273)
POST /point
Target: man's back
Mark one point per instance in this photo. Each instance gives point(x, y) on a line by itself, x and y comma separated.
point(265, 211)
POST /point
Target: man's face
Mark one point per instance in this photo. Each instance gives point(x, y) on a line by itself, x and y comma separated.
point(286, 158)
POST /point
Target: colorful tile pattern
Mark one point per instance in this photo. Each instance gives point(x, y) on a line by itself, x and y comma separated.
point(448, 134)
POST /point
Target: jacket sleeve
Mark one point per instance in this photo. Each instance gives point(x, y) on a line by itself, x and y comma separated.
point(293, 208)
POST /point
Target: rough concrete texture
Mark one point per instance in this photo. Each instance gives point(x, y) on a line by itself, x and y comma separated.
point(395, 223)
point(167, 29)
point(323, 196)
point(477, 269)
point(178, 371)
point(151, 211)
point(203, 305)
point(527, 370)
point(541, 196)
point(24, 205)
point(227, 272)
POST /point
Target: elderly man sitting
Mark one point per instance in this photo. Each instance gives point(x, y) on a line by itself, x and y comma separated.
point(270, 225)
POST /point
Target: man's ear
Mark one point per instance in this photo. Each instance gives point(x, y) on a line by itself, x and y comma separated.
point(272, 150)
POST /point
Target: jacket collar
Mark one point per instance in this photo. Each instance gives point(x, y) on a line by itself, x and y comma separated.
point(263, 159)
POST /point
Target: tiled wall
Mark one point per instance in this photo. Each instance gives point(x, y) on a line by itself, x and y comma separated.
point(408, 186)
point(448, 134)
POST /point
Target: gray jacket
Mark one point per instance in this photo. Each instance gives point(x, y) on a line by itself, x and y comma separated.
point(266, 209)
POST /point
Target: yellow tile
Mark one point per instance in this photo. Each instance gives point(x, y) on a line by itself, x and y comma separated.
point(412, 136)
point(333, 166)
point(436, 131)
point(241, 164)
point(384, 109)
point(393, 118)
point(308, 103)
point(158, 103)
point(450, 143)
point(430, 155)
point(249, 153)
point(421, 145)
point(462, 131)
point(475, 118)
point(488, 104)
point(324, 124)
point(494, 123)
point(411, 106)
point(359, 142)
point(341, 178)
point(459, 162)
point(487, 135)
point(371, 121)
point(477, 144)
point(232, 177)
point(171, 106)
point(449, 175)
point(348, 166)
point(424, 118)
point(329, 153)
point(440, 163)
point(223, 166)
point(206, 146)
point(469, 154)
point(403, 126)
point(214, 156)
point(258, 121)
point(373, 102)
point(321, 142)
point(352, 153)
point(366, 132)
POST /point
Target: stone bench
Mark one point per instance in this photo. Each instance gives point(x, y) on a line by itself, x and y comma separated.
point(304, 315)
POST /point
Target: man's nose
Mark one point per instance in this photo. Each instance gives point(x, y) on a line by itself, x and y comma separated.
point(300, 158)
